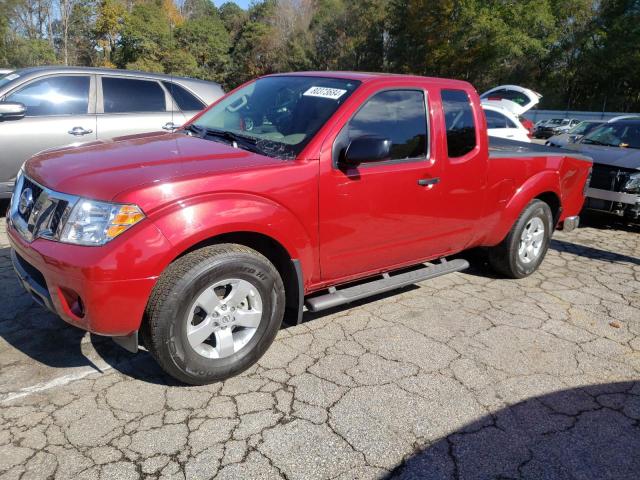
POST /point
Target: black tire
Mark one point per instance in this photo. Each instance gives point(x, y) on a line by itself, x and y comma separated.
point(504, 257)
point(164, 332)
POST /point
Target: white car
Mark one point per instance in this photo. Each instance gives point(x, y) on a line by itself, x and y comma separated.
point(503, 106)
point(503, 124)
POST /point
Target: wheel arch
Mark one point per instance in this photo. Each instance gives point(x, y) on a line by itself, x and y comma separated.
point(289, 268)
point(553, 200)
point(544, 186)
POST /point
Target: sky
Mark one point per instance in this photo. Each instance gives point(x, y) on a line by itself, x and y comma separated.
point(243, 3)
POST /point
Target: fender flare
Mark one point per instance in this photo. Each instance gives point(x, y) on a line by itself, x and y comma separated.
point(199, 219)
point(541, 183)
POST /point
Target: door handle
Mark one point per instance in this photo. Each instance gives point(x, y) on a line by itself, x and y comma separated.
point(79, 131)
point(169, 126)
point(426, 182)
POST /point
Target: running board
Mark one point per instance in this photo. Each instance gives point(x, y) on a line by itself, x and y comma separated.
point(337, 297)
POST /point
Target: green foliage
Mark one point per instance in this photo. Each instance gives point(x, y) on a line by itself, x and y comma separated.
point(578, 53)
point(206, 41)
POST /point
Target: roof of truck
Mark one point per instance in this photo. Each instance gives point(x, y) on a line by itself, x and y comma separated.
point(370, 76)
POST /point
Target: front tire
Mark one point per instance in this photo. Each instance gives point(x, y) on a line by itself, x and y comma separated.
point(213, 313)
point(522, 251)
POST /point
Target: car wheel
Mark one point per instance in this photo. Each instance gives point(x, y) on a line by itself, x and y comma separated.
point(522, 251)
point(213, 313)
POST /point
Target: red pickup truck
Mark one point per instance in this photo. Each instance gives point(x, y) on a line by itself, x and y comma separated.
point(294, 190)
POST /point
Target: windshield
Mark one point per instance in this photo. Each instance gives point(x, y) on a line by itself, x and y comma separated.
point(280, 115)
point(583, 128)
point(555, 121)
point(618, 134)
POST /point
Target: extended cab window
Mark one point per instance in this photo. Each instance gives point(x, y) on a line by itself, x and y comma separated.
point(62, 95)
point(398, 115)
point(461, 128)
point(129, 95)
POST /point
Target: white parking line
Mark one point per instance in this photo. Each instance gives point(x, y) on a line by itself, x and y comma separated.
point(56, 382)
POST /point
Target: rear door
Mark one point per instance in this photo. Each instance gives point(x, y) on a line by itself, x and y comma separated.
point(60, 111)
point(129, 105)
point(380, 214)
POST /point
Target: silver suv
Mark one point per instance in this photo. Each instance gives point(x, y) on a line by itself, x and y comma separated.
point(47, 107)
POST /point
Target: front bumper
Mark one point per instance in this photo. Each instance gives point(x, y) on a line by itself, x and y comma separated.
point(100, 289)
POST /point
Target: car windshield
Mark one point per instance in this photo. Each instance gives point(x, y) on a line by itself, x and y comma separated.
point(276, 116)
point(583, 128)
point(555, 121)
point(618, 134)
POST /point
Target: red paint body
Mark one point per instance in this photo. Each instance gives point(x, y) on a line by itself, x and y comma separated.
point(339, 225)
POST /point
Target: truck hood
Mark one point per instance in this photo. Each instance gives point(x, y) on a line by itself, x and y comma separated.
point(612, 156)
point(101, 170)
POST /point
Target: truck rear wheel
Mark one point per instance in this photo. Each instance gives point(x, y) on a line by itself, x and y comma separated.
point(522, 251)
point(214, 313)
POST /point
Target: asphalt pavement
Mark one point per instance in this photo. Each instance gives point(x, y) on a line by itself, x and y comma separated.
point(465, 376)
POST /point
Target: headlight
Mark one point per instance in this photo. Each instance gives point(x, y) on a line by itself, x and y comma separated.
point(633, 183)
point(96, 223)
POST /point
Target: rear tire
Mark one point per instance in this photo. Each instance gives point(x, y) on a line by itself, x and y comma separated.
point(522, 251)
point(213, 313)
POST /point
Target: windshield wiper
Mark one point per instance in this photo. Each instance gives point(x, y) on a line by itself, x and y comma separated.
point(596, 142)
point(194, 129)
point(237, 140)
point(234, 137)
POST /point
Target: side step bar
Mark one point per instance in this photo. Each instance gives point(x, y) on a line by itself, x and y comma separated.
point(341, 296)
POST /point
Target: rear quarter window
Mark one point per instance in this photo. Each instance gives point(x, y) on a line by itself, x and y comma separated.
point(459, 121)
point(184, 99)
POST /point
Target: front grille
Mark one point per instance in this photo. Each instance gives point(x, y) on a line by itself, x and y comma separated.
point(610, 178)
point(38, 212)
point(36, 192)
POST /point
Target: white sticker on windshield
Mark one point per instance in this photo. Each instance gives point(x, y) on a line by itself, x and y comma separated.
point(13, 76)
point(325, 92)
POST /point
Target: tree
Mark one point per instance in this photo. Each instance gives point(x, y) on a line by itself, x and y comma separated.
point(146, 40)
point(207, 41)
point(109, 24)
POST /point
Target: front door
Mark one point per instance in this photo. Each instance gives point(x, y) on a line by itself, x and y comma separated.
point(60, 111)
point(381, 214)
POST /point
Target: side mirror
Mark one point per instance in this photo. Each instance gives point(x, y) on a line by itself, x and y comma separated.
point(366, 149)
point(12, 110)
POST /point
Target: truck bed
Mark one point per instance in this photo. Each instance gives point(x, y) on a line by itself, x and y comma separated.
point(501, 148)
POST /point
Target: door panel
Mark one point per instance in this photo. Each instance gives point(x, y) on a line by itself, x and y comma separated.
point(56, 105)
point(21, 139)
point(128, 106)
point(377, 215)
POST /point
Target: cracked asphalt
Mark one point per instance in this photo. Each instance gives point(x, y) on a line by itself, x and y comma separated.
point(465, 376)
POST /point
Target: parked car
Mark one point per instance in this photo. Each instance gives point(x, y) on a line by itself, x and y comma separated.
point(575, 134)
point(47, 107)
point(503, 124)
point(504, 107)
point(555, 126)
point(282, 194)
point(615, 182)
point(528, 124)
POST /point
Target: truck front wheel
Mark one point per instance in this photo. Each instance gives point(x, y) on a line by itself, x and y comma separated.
point(213, 313)
point(522, 251)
